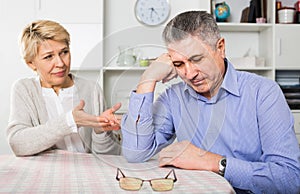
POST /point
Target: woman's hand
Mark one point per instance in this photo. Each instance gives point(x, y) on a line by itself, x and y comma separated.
point(107, 121)
point(112, 121)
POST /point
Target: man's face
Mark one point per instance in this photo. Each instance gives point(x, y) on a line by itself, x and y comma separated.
point(198, 64)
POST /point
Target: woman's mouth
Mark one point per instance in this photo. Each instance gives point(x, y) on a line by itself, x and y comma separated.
point(60, 74)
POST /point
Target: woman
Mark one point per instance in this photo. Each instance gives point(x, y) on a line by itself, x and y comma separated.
point(56, 109)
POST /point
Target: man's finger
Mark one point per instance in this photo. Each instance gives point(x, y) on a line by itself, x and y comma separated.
point(165, 161)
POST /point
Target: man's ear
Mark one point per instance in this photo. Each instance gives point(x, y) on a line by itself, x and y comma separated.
point(31, 65)
point(221, 47)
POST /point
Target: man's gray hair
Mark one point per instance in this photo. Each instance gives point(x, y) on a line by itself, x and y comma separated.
point(193, 23)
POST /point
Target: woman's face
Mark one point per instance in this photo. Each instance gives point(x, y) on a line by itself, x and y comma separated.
point(198, 64)
point(52, 64)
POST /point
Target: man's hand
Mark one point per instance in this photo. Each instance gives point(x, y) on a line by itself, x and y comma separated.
point(105, 122)
point(162, 69)
point(187, 156)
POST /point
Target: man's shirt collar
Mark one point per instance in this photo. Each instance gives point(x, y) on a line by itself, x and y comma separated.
point(229, 84)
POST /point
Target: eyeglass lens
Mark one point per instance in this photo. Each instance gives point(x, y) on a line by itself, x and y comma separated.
point(162, 184)
point(131, 184)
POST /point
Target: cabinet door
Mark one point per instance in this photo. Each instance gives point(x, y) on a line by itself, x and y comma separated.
point(70, 11)
point(86, 46)
point(287, 43)
point(297, 125)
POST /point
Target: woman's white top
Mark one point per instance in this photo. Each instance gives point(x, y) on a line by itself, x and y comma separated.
point(64, 102)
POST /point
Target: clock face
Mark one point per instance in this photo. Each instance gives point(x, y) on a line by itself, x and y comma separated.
point(152, 12)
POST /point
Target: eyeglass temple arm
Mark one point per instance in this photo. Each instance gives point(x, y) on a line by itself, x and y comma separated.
point(117, 176)
point(175, 178)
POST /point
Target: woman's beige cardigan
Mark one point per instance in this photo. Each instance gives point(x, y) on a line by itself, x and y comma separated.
point(30, 132)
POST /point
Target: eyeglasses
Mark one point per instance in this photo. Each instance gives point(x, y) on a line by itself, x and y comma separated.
point(135, 184)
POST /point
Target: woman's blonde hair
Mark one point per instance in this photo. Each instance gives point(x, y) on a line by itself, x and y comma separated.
point(39, 31)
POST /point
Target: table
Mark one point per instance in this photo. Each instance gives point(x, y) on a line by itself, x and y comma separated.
point(59, 171)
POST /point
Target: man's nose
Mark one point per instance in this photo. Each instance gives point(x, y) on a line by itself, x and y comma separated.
point(190, 71)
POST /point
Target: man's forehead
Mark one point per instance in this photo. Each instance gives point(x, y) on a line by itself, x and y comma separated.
point(187, 47)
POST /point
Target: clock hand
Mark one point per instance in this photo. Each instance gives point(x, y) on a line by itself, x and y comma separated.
point(153, 10)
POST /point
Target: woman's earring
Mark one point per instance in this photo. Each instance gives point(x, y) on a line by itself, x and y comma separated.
point(35, 72)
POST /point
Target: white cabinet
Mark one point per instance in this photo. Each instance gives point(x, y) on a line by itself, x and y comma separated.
point(287, 39)
point(297, 125)
point(84, 22)
point(70, 11)
point(86, 46)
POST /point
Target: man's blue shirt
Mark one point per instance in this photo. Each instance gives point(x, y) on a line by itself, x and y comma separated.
point(248, 121)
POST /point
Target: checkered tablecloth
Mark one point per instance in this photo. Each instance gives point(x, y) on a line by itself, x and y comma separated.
point(66, 172)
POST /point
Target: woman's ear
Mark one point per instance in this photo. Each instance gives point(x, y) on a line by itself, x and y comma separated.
point(31, 65)
point(221, 47)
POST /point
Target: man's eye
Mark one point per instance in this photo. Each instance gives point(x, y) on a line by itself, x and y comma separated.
point(196, 59)
point(177, 63)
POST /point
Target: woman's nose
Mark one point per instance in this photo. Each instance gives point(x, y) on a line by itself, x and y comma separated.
point(59, 61)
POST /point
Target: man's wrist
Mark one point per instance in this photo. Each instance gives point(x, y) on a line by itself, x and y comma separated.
point(146, 86)
point(222, 166)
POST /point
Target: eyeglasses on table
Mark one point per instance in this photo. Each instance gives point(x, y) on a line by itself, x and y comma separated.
point(135, 184)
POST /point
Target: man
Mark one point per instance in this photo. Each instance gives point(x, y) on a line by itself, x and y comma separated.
point(234, 123)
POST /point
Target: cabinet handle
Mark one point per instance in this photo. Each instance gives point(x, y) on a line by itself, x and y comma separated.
point(40, 5)
point(279, 46)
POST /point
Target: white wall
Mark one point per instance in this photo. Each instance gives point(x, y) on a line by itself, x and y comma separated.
point(14, 14)
point(119, 21)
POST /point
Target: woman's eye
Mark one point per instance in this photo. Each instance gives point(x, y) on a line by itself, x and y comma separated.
point(48, 57)
point(65, 52)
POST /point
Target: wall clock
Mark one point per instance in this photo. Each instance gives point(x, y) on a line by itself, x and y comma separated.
point(152, 12)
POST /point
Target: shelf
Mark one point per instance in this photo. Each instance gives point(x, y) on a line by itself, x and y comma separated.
point(286, 68)
point(122, 68)
point(243, 27)
point(86, 68)
point(294, 25)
